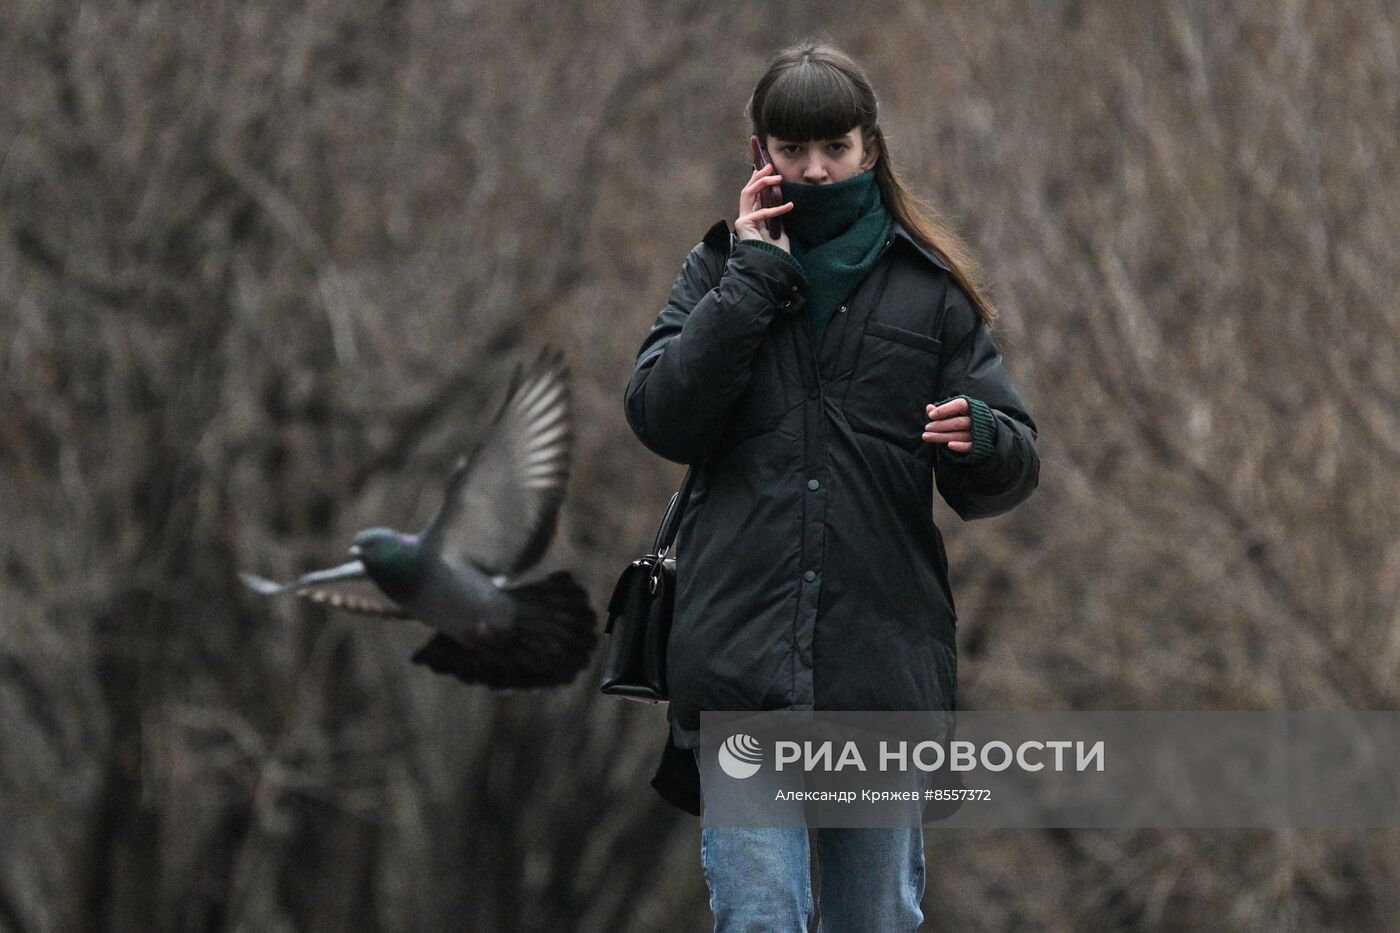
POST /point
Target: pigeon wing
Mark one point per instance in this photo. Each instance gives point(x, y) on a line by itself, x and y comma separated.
point(502, 500)
point(345, 587)
point(548, 639)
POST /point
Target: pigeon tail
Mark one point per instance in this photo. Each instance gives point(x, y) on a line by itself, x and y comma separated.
point(550, 638)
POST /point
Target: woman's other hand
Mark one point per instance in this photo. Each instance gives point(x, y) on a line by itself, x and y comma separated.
point(752, 214)
point(951, 424)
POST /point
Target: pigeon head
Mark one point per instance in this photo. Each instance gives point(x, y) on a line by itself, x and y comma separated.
point(391, 559)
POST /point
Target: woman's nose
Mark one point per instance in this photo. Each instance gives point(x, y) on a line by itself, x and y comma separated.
point(814, 173)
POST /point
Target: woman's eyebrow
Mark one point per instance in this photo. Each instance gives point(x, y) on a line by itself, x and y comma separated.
point(775, 141)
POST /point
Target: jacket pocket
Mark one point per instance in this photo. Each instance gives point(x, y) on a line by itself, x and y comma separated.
point(895, 376)
point(899, 334)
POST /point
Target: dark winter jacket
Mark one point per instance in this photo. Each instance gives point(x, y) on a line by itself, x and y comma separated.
point(810, 573)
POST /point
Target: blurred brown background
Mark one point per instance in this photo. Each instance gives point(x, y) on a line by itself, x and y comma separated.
point(263, 266)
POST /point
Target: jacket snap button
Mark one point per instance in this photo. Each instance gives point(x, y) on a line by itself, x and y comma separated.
point(812, 484)
point(787, 304)
point(813, 394)
point(809, 576)
point(842, 309)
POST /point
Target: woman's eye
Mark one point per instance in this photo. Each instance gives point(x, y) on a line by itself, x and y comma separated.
point(789, 150)
point(838, 147)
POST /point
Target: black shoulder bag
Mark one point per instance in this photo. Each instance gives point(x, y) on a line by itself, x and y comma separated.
point(639, 614)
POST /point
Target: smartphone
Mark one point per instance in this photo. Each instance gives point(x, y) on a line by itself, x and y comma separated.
point(771, 195)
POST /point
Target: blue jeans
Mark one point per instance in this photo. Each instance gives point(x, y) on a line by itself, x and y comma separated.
point(760, 879)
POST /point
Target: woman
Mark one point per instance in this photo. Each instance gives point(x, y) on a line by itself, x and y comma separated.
point(815, 381)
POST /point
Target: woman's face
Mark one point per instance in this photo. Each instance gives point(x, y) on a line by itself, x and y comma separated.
point(821, 161)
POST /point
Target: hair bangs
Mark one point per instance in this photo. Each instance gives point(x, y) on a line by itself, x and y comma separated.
point(808, 101)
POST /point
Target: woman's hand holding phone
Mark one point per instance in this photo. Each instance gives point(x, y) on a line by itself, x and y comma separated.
point(951, 424)
point(757, 216)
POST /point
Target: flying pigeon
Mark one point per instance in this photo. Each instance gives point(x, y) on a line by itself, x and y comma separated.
point(460, 575)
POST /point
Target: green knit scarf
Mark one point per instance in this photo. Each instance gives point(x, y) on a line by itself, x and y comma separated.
point(836, 232)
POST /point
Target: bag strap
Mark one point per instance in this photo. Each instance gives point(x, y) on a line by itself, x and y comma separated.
point(671, 521)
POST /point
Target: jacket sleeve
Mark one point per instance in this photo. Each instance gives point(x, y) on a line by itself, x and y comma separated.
point(697, 358)
point(1003, 467)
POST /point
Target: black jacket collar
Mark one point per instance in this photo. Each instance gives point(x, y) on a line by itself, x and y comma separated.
point(920, 248)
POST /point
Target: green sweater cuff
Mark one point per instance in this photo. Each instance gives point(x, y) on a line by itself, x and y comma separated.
point(984, 433)
point(769, 247)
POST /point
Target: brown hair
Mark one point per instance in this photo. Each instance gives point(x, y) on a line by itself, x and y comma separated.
point(815, 91)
